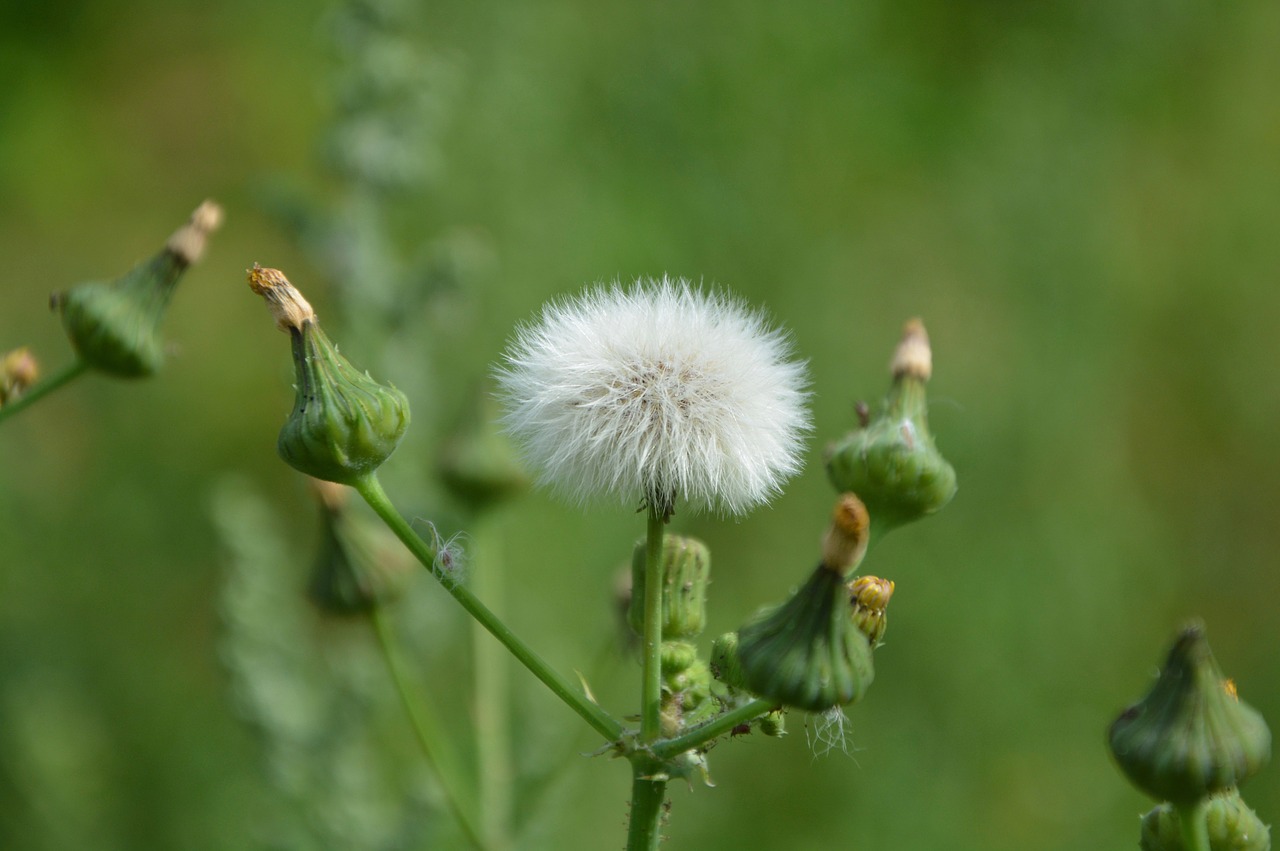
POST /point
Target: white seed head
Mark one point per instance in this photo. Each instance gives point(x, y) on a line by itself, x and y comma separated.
point(656, 391)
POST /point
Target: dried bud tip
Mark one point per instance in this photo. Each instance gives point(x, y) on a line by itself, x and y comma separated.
point(871, 592)
point(913, 356)
point(188, 241)
point(284, 301)
point(846, 540)
point(19, 369)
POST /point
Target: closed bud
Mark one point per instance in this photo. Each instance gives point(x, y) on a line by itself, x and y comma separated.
point(868, 599)
point(19, 369)
point(846, 540)
point(343, 424)
point(725, 666)
point(1190, 736)
point(686, 570)
point(891, 462)
point(360, 565)
point(1232, 826)
point(115, 327)
point(686, 688)
point(808, 653)
point(773, 723)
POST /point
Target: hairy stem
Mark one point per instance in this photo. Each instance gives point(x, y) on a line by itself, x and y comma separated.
point(600, 720)
point(644, 831)
point(427, 730)
point(698, 736)
point(651, 641)
point(43, 388)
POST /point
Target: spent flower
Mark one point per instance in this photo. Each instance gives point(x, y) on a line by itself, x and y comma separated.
point(656, 392)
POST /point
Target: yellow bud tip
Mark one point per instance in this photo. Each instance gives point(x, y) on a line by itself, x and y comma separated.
point(871, 592)
point(188, 241)
point(913, 356)
point(284, 301)
point(846, 540)
point(1229, 686)
point(19, 369)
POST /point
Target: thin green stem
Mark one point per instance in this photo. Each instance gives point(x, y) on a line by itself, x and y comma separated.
point(600, 720)
point(40, 389)
point(651, 640)
point(427, 730)
point(644, 831)
point(698, 736)
point(492, 721)
point(1195, 829)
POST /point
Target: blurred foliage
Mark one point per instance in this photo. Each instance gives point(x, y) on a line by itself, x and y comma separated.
point(1078, 198)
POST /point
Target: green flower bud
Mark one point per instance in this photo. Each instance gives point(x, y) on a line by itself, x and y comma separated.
point(344, 424)
point(360, 564)
point(115, 327)
point(891, 463)
point(1232, 826)
point(725, 666)
point(478, 465)
point(686, 570)
point(773, 723)
point(868, 598)
point(808, 653)
point(686, 688)
point(1190, 736)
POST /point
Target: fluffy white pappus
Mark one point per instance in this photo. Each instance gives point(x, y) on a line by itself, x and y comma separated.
point(657, 391)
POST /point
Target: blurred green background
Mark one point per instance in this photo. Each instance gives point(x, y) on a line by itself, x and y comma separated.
point(1081, 199)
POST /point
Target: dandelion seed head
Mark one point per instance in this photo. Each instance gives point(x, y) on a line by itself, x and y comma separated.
point(656, 391)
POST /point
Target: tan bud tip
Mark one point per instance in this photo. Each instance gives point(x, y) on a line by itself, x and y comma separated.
point(19, 369)
point(871, 592)
point(846, 540)
point(913, 356)
point(284, 301)
point(188, 241)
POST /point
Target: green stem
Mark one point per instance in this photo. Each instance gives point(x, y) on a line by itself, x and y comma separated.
point(492, 724)
point(41, 389)
point(647, 795)
point(427, 730)
point(1195, 829)
point(651, 641)
point(698, 736)
point(600, 720)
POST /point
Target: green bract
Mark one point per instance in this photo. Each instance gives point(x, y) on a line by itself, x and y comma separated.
point(686, 570)
point(1232, 826)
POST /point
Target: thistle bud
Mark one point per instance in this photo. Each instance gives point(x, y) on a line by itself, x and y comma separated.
point(846, 540)
point(18, 371)
point(686, 570)
point(1189, 737)
point(344, 424)
point(773, 723)
point(1232, 826)
point(115, 327)
point(808, 653)
point(686, 688)
point(868, 598)
point(360, 564)
point(725, 666)
point(891, 463)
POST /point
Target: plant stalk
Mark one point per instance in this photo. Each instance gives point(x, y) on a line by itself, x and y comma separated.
point(698, 736)
point(43, 388)
point(600, 720)
point(644, 831)
point(492, 695)
point(1195, 829)
point(651, 640)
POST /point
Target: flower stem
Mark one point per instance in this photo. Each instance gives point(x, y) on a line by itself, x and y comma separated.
point(426, 729)
point(698, 736)
point(600, 720)
point(491, 698)
point(1195, 830)
point(651, 648)
point(43, 388)
point(647, 795)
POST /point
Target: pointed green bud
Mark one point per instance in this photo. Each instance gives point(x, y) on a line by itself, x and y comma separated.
point(478, 465)
point(686, 570)
point(344, 424)
point(1191, 735)
point(868, 598)
point(115, 327)
point(891, 462)
point(773, 723)
point(725, 666)
point(686, 688)
point(1232, 826)
point(19, 369)
point(360, 564)
point(808, 653)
